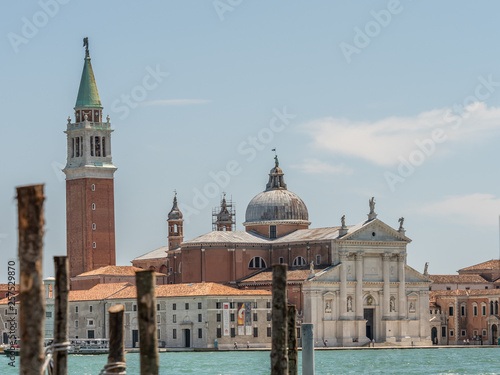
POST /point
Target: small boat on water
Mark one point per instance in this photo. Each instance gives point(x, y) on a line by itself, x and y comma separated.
point(89, 346)
point(11, 350)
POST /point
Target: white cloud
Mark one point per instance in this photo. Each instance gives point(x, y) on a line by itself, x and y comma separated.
point(315, 166)
point(473, 209)
point(175, 102)
point(383, 142)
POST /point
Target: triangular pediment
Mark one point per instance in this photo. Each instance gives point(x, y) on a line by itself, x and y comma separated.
point(374, 231)
point(330, 274)
point(413, 276)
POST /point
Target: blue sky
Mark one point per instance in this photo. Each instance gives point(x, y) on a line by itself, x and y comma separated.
point(394, 99)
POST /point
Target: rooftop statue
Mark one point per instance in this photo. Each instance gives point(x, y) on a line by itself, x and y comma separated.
point(371, 202)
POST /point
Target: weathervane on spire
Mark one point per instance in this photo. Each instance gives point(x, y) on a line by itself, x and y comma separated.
point(86, 45)
point(276, 162)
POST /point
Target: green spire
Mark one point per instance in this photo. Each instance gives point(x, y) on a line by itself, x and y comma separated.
point(88, 96)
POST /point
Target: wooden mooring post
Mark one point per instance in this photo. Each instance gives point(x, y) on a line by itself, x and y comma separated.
point(292, 342)
point(279, 359)
point(146, 313)
point(61, 310)
point(30, 252)
point(116, 357)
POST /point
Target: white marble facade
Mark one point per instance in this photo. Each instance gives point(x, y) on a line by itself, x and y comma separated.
point(369, 292)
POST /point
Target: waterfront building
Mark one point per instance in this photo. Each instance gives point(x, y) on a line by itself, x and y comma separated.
point(90, 222)
point(359, 271)
point(206, 315)
point(464, 307)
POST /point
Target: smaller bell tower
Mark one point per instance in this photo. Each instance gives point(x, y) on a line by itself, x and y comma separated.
point(175, 231)
point(224, 217)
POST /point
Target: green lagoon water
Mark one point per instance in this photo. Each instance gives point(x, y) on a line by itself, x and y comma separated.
point(328, 362)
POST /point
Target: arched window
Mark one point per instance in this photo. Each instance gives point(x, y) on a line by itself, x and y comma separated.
point(257, 262)
point(299, 261)
point(164, 269)
point(496, 307)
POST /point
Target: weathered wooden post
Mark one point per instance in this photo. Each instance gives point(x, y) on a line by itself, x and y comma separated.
point(279, 360)
point(307, 349)
point(146, 310)
point(116, 357)
point(61, 309)
point(292, 342)
point(32, 312)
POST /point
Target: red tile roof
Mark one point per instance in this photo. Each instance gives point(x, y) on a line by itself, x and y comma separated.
point(98, 292)
point(463, 292)
point(292, 275)
point(454, 279)
point(112, 271)
point(195, 289)
point(493, 264)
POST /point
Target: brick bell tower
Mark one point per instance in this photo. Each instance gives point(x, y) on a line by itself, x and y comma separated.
point(175, 230)
point(90, 217)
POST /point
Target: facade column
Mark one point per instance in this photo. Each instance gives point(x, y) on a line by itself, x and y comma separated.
point(343, 285)
point(387, 284)
point(359, 286)
point(402, 286)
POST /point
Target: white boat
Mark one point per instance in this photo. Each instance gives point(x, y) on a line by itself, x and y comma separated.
point(89, 346)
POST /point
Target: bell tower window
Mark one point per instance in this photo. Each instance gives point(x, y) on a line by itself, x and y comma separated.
point(103, 146)
point(91, 146)
point(97, 146)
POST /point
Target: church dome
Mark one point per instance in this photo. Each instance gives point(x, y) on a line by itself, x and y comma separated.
point(276, 203)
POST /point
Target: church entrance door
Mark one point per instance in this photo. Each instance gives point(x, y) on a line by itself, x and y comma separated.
point(494, 334)
point(135, 337)
point(187, 338)
point(370, 328)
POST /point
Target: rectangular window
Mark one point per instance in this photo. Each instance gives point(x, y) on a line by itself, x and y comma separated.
point(76, 309)
point(443, 331)
point(231, 305)
point(483, 308)
point(255, 317)
point(200, 333)
point(474, 333)
point(232, 317)
point(199, 305)
point(272, 231)
point(219, 332)
point(268, 304)
point(48, 314)
point(484, 333)
point(268, 316)
point(97, 146)
point(174, 318)
point(463, 332)
point(474, 310)
point(174, 334)
point(104, 146)
point(452, 333)
point(298, 332)
point(90, 308)
point(91, 146)
point(217, 305)
point(233, 332)
point(255, 332)
point(281, 260)
point(76, 323)
point(77, 145)
point(72, 147)
point(269, 332)
point(186, 306)
point(159, 337)
point(485, 287)
point(450, 311)
point(134, 307)
point(199, 318)
point(318, 260)
point(255, 305)
point(90, 323)
point(462, 310)
point(158, 319)
point(90, 334)
point(157, 307)
point(448, 288)
point(218, 317)
point(174, 306)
